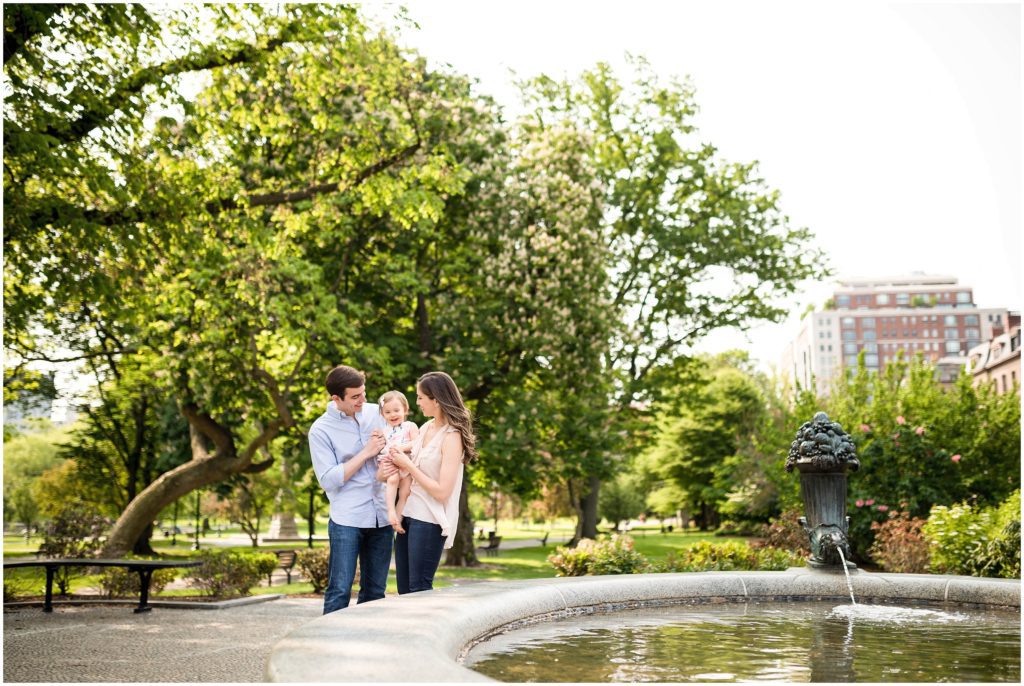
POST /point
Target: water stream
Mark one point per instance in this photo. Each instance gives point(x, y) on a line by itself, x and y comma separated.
point(849, 584)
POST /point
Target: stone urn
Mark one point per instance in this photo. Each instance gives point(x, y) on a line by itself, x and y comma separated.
point(822, 453)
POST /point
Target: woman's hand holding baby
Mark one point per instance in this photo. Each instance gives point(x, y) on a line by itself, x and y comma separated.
point(399, 458)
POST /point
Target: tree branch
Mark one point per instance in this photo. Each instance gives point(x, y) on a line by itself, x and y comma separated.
point(24, 22)
point(211, 57)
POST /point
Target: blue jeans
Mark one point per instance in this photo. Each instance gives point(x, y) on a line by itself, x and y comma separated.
point(372, 547)
point(417, 554)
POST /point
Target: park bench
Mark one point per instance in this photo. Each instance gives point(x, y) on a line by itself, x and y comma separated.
point(491, 549)
point(144, 568)
point(286, 561)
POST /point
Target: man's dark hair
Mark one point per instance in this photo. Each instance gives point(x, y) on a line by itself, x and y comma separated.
point(342, 377)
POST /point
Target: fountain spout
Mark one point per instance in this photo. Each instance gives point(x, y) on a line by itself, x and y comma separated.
point(821, 453)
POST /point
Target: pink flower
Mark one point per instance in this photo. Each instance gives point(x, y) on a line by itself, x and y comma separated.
point(869, 503)
point(859, 503)
point(897, 444)
point(883, 508)
point(896, 435)
point(919, 430)
point(900, 420)
point(956, 458)
point(865, 428)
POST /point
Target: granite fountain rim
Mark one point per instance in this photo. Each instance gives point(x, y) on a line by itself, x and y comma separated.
point(420, 637)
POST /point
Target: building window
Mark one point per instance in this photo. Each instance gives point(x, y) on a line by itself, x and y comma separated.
point(821, 348)
point(871, 347)
point(867, 323)
point(850, 348)
point(830, 347)
point(871, 360)
point(882, 298)
point(963, 297)
point(868, 335)
point(849, 335)
point(842, 301)
point(972, 333)
point(848, 321)
point(952, 346)
point(903, 298)
point(924, 333)
point(935, 333)
point(851, 361)
point(971, 319)
point(952, 333)
point(949, 320)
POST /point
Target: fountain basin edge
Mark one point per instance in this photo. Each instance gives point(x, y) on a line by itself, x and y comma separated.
point(420, 637)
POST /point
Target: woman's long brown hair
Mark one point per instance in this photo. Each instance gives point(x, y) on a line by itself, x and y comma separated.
point(440, 387)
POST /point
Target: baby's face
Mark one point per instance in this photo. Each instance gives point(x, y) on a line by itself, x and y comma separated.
point(394, 412)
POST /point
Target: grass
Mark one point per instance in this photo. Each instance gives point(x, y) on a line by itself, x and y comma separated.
point(510, 564)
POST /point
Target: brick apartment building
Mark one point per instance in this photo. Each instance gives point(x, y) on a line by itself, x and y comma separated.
point(928, 314)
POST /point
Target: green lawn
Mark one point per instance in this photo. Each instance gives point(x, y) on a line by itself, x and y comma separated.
point(510, 564)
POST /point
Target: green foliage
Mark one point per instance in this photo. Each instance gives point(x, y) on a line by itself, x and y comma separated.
point(786, 533)
point(19, 583)
point(977, 541)
point(729, 556)
point(314, 563)
point(74, 532)
point(228, 573)
point(922, 444)
point(620, 500)
point(26, 457)
point(117, 582)
point(614, 555)
point(899, 545)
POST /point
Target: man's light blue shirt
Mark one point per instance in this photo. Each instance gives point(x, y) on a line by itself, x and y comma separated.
point(334, 439)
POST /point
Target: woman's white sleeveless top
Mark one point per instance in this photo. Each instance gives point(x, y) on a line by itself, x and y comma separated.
point(423, 506)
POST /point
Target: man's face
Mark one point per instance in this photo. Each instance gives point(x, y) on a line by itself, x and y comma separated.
point(352, 402)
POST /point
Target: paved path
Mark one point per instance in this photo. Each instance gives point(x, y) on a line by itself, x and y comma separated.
point(111, 643)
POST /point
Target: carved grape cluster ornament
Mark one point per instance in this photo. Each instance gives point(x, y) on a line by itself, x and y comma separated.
point(821, 445)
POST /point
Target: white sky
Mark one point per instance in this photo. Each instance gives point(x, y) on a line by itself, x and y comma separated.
point(893, 130)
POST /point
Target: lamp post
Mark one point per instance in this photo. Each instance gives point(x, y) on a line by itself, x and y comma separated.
point(195, 545)
point(312, 497)
point(174, 525)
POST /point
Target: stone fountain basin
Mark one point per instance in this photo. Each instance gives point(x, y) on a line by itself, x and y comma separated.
point(420, 637)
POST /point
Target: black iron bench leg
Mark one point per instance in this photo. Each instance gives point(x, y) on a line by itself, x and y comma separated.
point(144, 576)
point(51, 570)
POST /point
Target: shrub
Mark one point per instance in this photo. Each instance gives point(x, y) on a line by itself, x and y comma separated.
point(75, 532)
point(314, 563)
point(614, 555)
point(265, 563)
point(226, 573)
point(732, 527)
point(18, 583)
point(117, 582)
point(899, 544)
point(976, 541)
point(785, 533)
point(705, 556)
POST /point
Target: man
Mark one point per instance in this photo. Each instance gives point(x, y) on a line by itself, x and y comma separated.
point(343, 443)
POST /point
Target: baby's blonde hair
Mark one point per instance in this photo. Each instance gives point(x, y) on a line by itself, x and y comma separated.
point(393, 395)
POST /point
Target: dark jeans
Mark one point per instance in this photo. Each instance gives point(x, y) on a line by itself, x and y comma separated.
point(372, 547)
point(417, 554)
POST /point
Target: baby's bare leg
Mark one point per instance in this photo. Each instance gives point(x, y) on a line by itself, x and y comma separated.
point(404, 486)
point(392, 493)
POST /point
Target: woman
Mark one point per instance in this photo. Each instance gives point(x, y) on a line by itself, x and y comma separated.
point(431, 514)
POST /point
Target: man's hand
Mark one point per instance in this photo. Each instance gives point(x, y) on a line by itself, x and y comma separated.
point(385, 469)
point(375, 444)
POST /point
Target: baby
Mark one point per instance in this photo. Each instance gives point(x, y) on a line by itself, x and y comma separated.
point(400, 434)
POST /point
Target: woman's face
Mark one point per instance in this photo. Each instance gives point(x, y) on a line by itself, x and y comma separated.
point(428, 407)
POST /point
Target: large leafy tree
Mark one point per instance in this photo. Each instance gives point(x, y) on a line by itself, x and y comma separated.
point(694, 243)
point(214, 248)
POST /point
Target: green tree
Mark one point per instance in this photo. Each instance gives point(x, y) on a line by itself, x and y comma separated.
point(694, 243)
point(697, 450)
point(621, 500)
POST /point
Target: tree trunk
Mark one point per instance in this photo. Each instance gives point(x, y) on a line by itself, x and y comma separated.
point(142, 543)
point(144, 509)
point(589, 521)
point(463, 553)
